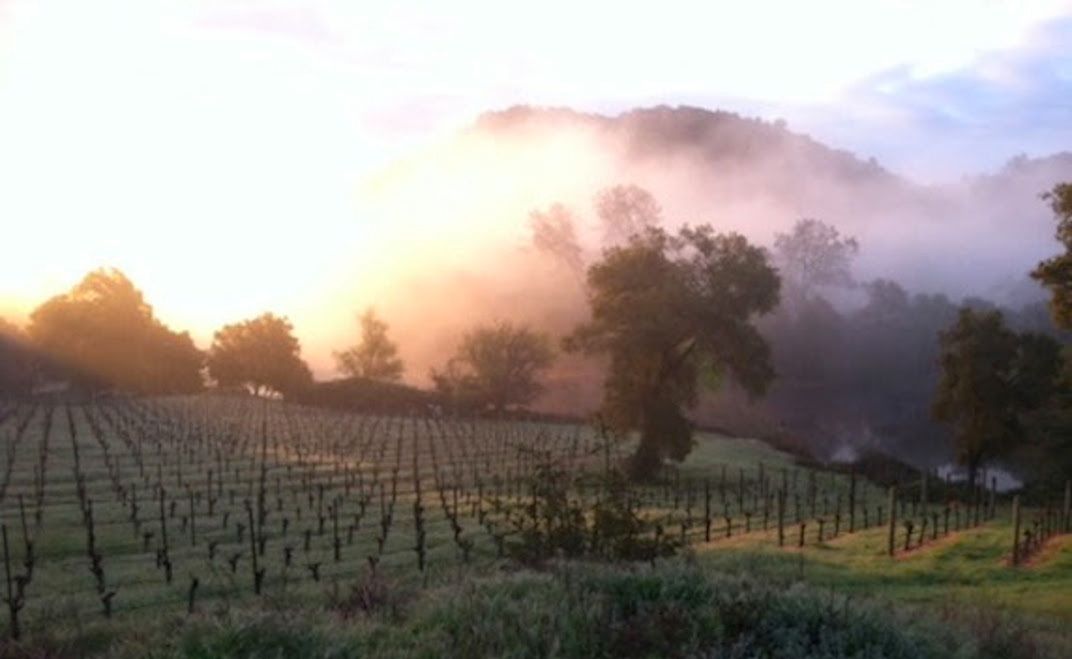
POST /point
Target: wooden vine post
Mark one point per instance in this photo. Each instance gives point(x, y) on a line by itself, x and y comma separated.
point(1068, 507)
point(852, 500)
point(1016, 530)
point(892, 519)
point(781, 518)
point(14, 600)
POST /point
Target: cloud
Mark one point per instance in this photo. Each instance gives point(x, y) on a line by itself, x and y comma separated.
point(141, 133)
point(969, 120)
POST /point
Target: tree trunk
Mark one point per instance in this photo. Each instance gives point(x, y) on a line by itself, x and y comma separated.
point(973, 474)
point(645, 462)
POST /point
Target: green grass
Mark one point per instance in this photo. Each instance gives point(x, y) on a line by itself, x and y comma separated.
point(969, 568)
point(482, 606)
point(677, 609)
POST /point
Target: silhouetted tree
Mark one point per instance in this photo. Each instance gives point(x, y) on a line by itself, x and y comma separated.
point(1055, 273)
point(668, 310)
point(262, 354)
point(495, 367)
point(554, 233)
point(626, 210)
point(814, 254)
point(989, 377)
point(809, 346)
point(1037, 370)
point(1051, 430)
point(103, 333)
point(376, 357)
point(892, 349)
point(9, 329)
point(16, 359)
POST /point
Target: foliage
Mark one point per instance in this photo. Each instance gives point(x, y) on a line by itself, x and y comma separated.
point(104, 334)
point(568, 609)
point(666, 309)
point(1049, 457)
point(560, 526)
point(554, 233)
point(1056, 272)
point(862, 375)
point(557, 523)
point(261, 353)
point(16, 359)
point(369, 396)
point(10, 331)
point(496, 366)
point(814, 254)
point(376, 357)
point(373, 594)
point(257, 636)
point(1053, 424)
point(990, 376)
point(597, 611)
point(619, 532)
point(625, 211)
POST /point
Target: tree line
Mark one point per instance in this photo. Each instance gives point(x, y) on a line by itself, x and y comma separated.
point(102, 335)
point(671, 314)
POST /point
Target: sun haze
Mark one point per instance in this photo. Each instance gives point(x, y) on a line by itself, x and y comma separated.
point(233, 157)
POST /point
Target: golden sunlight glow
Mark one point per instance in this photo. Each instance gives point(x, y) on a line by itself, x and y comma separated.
point(233, 157)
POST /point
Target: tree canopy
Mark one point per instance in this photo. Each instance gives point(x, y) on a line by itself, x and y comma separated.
point(626, 210)
point(814, 254)
point(376, 357)
point(16, 359)
point(103, 333)
point(496, 367)
point(554, 233)
point(670, 310)
point(989, 377)
point(1055, 273)
point(261, 353)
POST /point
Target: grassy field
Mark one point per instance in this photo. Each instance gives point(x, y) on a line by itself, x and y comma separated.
point(967, 567)
point(333, 504)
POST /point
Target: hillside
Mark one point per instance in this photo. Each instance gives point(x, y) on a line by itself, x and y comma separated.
point(977, 236)
point(757, 176)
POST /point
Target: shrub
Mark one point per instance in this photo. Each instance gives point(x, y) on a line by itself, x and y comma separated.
point(559, 527)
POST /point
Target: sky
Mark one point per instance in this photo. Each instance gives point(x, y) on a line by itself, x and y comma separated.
point(216, 150)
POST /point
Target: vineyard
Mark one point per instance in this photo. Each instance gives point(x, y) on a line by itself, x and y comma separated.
point(135, 508)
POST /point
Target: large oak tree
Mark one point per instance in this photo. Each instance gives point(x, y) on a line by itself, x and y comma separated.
point(671, 311)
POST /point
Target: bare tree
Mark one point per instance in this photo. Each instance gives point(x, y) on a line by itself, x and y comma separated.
point(626, 211)
point(815, 254)
point(554, 233)
point(376, 357)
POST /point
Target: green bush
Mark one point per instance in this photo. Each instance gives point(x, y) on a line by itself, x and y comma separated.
point(595, 610)
point(557, 525)
point(677, 611)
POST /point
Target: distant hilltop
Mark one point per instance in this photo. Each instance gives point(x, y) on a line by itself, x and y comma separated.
point(728, 136)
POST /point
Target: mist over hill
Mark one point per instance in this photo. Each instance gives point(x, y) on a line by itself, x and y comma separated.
point(976, 236)
point(447, 243)
point(460, 249)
